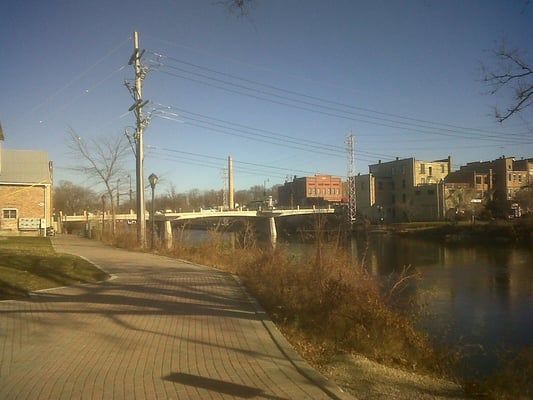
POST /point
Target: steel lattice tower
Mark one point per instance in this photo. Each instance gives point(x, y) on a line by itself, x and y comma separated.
point(351, 179)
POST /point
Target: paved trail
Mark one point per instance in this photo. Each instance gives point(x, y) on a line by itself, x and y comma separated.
point(160, 329)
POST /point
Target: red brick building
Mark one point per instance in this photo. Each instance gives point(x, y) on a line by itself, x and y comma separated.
point(25, 192)
point(310, 191)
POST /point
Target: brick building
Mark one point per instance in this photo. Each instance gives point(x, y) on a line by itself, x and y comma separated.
point(497, 181)
point(402, 190)
point(309, 191)
point(25, 192)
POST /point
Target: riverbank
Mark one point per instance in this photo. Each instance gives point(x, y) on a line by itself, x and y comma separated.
point(368, 380)
point(364, 378)
point(268, 270)
point(519, 231)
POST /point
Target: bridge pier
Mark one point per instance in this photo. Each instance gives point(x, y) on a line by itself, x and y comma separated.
point(273, 231)
point(167, 234)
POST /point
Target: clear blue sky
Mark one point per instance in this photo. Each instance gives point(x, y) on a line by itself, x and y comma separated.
point(278, 89)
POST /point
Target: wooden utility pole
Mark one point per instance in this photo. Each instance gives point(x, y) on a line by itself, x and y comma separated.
point(137, 108)
point(231, 193)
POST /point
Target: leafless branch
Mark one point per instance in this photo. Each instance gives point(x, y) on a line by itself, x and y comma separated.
point(99, 159)
point(514, 74)
point(237, 6)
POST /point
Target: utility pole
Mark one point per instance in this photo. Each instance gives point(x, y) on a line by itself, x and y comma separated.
point(352, 209)
point(137, 108)
point(231, 189)
point(225, 189)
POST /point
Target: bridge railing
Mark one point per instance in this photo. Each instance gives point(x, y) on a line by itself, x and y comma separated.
point(163, 216)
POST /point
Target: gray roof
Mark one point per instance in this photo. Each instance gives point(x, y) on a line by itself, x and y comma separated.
point(24, 166)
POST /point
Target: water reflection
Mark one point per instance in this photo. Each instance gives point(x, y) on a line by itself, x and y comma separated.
point(478, 297)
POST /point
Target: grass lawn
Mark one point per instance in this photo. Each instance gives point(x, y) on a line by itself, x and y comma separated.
point(30, 263)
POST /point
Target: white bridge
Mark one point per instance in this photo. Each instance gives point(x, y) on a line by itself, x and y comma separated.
point(269, 213)
point(166, 218)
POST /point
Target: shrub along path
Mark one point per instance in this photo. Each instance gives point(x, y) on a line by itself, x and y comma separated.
point(160, 328)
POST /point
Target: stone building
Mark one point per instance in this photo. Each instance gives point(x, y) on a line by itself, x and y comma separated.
point(402, 190)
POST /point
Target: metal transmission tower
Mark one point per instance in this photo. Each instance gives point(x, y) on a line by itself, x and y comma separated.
point(350, 147)
point(141, 123)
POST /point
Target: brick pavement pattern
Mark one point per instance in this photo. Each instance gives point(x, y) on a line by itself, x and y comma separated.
point(159, 329)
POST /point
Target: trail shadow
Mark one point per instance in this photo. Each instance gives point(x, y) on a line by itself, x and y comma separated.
point(219, 386)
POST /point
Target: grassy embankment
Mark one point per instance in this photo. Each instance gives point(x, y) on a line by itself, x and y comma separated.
point(30, 263)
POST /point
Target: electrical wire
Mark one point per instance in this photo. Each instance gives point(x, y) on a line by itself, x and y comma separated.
point(242, 89)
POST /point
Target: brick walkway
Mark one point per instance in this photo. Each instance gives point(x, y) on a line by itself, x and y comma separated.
point(160, 329)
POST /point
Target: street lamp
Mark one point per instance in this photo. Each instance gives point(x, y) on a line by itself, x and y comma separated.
point(103, 214)
point(118, 194)
point(265, 187)
point(153, 181)
point(131, 203)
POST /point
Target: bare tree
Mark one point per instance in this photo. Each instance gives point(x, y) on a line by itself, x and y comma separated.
point(71, 198)
point(100, 160)
point(514, 74)
point(524, 197)
point(238, 6)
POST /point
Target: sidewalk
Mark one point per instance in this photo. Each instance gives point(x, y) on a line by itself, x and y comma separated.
point(159, 329)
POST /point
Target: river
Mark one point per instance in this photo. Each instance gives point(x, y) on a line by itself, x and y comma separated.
point(478, 298)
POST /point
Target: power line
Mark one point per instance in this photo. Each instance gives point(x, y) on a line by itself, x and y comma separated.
point(253, 167)
point(348, 113)
point(260, 135)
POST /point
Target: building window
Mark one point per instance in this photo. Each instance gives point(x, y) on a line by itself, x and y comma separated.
point(403, 169)
point(393, 171)
point(478, 180)
point(430, 170)
point(403, 184)
point(442, 168)
point(510, 177)
point(9, 213)
point(422, 168)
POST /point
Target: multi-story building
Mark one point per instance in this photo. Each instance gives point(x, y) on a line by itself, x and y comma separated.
point(25, 192)
point(496, 181)
point(310, 191)
point(402, 190)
